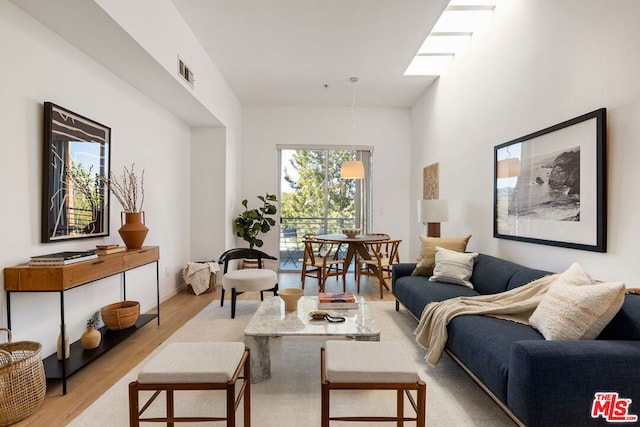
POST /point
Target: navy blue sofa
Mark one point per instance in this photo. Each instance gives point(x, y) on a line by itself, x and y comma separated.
point(537, 382)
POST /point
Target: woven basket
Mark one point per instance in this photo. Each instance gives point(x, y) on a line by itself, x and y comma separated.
point(212, 281)
point(23, 384)
point(120, 315)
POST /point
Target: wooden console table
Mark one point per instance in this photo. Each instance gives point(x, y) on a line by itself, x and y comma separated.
point(26, 278)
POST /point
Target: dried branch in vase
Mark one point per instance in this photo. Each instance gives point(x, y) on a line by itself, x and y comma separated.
point(128, 189)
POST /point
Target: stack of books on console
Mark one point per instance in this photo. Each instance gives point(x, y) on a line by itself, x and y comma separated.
point(336, 300)
point(62, 258)
point(109, 249)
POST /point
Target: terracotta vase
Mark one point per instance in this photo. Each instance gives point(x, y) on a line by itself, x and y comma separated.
point(133, 230)
point(91, 338)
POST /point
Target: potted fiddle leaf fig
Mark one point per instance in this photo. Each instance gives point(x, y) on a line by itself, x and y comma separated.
point(250, 223)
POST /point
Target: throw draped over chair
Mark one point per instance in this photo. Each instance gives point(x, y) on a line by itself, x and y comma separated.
point(246, 280)
point(321, 261)
point(384, 255)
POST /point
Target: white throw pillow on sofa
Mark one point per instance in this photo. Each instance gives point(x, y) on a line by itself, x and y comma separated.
point(453, 267)
point(575, 307)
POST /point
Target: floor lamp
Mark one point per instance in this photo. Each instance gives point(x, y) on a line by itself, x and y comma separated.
point(433, 212)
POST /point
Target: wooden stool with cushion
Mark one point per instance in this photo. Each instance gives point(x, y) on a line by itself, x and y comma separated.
point(194, 366)
point(370, 365)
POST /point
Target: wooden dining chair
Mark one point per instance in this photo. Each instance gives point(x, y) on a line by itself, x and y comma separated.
point(321, 262)
point(371, 248)
point(384, 256)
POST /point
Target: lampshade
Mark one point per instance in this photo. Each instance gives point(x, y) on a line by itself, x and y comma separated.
point(352, 169)
point(433, 210)
point(508, 168)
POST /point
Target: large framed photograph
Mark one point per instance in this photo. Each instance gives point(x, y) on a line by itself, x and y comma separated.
point(76, 156)
point(550, 186)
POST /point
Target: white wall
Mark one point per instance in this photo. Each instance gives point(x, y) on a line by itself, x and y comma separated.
point(208, 231)
point(39, 66)
point(386, 129)
point(221, 186)
point(537, 64)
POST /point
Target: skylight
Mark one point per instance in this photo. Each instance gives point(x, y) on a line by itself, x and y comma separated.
point(450, 35)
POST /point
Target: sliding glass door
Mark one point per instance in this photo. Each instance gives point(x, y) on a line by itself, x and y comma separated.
point(315, 200)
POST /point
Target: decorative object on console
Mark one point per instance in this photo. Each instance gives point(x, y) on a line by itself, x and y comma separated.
point(76, 155)
point(109, 249)
point(129, 190)
point(427, 259)
point(63, 343)
point(252, 222)
point(550, 186)
point(290, 296)
point(62, 258)
point(133, 229)
point(120, 315)
point(91, 338)
point(433, 212)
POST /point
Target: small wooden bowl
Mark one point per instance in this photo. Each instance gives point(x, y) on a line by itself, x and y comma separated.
point(120, 315)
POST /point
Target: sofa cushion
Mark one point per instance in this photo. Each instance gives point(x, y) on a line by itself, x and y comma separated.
point(427, 258)
point(453, 267)
point(575, 307)
point(626, 323)
point(492, 275)
point(415, 292)
point(483, 344)
point(524, 276)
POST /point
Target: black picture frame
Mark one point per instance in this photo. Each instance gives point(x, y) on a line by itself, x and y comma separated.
point(550, 186)
point(75, 162)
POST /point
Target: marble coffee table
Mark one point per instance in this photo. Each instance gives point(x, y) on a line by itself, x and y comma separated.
point(271, 320)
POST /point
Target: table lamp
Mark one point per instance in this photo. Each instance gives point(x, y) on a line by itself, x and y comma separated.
point(433, 212)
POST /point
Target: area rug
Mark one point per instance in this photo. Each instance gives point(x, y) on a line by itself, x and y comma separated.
point(291, 397)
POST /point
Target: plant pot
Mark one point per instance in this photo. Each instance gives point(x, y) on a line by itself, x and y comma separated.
point(133, 230)
point(91, 338)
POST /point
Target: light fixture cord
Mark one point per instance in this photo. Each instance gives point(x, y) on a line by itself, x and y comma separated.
point(354, 80)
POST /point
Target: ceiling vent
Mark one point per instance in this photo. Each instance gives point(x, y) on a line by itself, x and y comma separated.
point(185, 72)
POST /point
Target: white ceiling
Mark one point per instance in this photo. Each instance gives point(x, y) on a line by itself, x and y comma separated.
point(283, 52)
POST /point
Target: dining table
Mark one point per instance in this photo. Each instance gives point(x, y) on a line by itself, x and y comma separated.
point(357, 244)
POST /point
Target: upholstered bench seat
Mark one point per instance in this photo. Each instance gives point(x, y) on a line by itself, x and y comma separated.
point(193, 363)
point(370, 365)
point(194, 366)
point(368, 362)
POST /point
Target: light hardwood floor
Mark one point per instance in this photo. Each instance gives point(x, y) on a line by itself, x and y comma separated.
point(89, 383)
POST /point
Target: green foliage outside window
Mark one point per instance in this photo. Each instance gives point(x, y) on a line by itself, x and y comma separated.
point(307, 200)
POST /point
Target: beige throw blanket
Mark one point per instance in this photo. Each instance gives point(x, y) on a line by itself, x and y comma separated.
point(516, 305)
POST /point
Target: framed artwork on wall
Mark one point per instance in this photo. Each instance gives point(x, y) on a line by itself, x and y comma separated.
point(550, 186)
point(76, 156)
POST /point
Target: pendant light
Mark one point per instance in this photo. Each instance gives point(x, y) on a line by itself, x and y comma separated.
point(352, 169)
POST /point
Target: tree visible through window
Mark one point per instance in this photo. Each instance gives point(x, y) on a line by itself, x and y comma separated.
point(316, 190)
point(313, 197)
